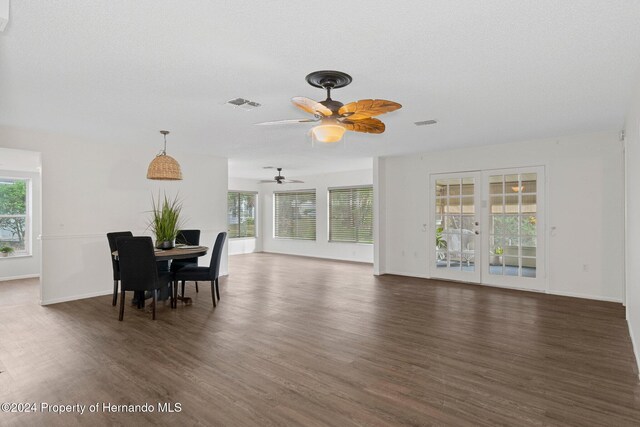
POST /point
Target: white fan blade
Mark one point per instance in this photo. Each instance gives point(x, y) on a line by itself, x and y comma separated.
point(287, 122)
point(311, 106)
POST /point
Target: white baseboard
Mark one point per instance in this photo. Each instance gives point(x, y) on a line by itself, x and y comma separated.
point(76, 297)
point(404, 273)
point(319, 257)
point(551, 292)
point(25, 276)
point(89, 295)
point(585, 296)
point(635, 348)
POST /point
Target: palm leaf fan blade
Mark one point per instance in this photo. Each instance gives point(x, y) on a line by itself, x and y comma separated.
point(366, 108)
point(369, 125)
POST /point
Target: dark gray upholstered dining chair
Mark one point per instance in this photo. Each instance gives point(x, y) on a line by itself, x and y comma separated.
point(139, 271)
point(112, 237)
point(206, 274)
point(186, 237)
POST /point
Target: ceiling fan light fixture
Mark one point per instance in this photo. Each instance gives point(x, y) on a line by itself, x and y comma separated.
point(164, 167)
point(328, 132)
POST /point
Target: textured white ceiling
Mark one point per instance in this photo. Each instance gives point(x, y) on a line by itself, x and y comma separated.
point(117, 71)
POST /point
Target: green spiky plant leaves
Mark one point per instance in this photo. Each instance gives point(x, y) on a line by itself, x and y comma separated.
point(165, 220)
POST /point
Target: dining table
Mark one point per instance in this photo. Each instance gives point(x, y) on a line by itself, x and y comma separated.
point(177, 252)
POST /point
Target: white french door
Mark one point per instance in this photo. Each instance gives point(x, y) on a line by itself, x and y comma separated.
point(455, 228)
point(488, 227)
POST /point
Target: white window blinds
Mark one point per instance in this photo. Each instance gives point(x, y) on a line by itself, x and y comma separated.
point(351, 215)
point(295, 215)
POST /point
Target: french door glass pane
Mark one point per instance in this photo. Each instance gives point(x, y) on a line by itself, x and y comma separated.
point(455, 220)
point(513, 224)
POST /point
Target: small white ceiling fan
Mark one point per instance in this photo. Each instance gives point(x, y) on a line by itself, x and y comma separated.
point(279, 179)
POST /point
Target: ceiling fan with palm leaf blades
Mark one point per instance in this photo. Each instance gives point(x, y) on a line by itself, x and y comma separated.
point(335, 117)
point(279, 179)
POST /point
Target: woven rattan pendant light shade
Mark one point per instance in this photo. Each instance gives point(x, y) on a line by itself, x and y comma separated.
point(164, 167)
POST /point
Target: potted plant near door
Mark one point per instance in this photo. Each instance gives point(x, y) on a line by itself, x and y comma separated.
point(165, 221)
point(496, 256)
point(6, 251)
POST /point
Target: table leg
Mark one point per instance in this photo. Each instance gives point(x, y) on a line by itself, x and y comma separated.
point(176, 297)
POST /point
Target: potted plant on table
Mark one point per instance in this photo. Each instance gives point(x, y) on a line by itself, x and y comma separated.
point(6, 251)
point(165, 221)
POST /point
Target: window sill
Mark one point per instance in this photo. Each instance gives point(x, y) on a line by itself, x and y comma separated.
point(294, 238)
point(350, 243)
point(25, 255)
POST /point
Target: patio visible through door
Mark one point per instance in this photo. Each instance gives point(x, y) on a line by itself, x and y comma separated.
point(455, 229)
point(487, 227)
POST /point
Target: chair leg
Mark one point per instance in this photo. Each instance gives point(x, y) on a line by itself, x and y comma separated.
point(115, 293)
point(153, 310)
point(197, 287)
point(175, 294)
point(213, 292)
point(182, 289)
point(218, 289)
point(121, 307)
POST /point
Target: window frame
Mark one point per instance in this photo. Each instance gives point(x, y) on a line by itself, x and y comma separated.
point(27, 215)
point(275, 218)
point(348, 187)
point(255, 216)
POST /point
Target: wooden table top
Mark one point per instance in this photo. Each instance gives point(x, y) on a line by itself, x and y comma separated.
point(179, 252)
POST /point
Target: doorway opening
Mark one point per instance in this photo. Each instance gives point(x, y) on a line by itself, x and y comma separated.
point(487, 227)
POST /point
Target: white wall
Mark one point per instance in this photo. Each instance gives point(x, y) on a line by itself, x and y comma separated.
point(24, 164)
point(321, 247)
point(632, 262)
point(245, 245)
point(90, 188)
point(585, 204)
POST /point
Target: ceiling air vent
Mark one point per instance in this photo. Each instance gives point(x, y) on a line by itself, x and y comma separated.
point(243, 104)
point(426, 122)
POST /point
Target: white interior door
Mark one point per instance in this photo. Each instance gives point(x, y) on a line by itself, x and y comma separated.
point(513, 233)
point(455, 228)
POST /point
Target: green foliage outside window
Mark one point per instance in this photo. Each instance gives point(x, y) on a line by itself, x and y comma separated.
point(13, 213)
point(241, 214)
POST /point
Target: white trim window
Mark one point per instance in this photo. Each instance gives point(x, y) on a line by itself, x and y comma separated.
point(294, 215)
point(241, 214)
point(15, 217)
point(351, 214)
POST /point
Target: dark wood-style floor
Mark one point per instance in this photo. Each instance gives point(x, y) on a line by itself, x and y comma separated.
point(301, 341)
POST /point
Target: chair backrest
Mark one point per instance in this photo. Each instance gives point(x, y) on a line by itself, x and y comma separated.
point(216, 255)
point(468, 240)
point(112, 238)
point(460, 240)
point(188, 237)
point(138, 269)
point(453, 242)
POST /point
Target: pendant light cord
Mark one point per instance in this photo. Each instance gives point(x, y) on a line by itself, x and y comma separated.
point(163, 152)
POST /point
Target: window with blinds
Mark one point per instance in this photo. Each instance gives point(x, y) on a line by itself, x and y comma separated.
point(295, 215)
point(351, 215)
point(241, 214)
